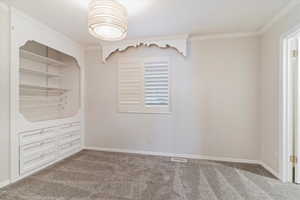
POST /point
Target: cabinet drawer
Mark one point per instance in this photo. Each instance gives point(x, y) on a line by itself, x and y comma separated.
point(37, 136)
point(69, 128)
point(37, 147)
point(69, 137)
point(70, 148)
point(36, 161)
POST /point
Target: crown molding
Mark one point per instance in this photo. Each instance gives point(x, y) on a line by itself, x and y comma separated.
point(283, 12)
point(224, 36)
point(194, 37)
point(4, 5)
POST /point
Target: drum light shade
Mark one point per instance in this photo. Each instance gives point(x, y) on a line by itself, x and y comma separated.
point(107, 20)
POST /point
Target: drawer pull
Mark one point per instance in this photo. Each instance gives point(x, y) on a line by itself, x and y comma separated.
point(67, 126)
point(38, 145)
point(34, 159)
point(42, 132)
point(32, 147)
point(71, 135)
point(48, 130)
point(66, 146)
point(32, 134)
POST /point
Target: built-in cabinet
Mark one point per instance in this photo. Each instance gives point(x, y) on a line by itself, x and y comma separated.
point(39, 148)
point(46, 96)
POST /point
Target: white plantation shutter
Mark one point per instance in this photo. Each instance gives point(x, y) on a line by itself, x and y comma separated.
point(144, 85)
point(130, 86)
point(156, 84)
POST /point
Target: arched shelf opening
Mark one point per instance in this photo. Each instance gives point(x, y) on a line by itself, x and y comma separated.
point(49, 83)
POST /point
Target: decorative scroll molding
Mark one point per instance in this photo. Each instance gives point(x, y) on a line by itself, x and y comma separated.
point(177, 42)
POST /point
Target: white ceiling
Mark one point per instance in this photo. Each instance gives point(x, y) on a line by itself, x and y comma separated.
point(150, 18)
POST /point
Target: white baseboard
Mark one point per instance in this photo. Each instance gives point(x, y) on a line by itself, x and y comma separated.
point(4, 183)
point(189, 156)
point(270, 169)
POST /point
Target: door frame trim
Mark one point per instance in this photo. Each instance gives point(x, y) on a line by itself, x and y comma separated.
point(285, 149)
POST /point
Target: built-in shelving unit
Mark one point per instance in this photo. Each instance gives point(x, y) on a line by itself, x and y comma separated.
point(37, 72)
point(49, 81)
point(41, 59)
point(39, 87)
point(44, 105)
point(45, 82)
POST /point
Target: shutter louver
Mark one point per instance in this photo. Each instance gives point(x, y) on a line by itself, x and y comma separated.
point(130, 86)
point(156, 83)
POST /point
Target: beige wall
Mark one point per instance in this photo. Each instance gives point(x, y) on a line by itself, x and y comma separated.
point(214, 102)
point(269, 92)
point(4, 91)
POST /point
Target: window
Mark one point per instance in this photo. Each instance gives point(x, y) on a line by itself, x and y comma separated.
point(144, 85)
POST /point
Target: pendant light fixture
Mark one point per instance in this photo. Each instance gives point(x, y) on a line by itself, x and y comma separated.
point(107, 20)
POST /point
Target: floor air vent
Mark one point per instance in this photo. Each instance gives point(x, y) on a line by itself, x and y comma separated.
point(179, 160)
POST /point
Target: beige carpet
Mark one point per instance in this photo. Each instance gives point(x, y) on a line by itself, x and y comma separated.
point(92, 175)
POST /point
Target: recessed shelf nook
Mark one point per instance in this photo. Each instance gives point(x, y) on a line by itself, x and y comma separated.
point(48, 83)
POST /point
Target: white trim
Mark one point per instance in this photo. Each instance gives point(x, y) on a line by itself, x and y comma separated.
point(224, 36)
point(189, 156)
point(4, 183)
point(270, 169)
point(284, 147)
point(193, 38)
point(283, 12)
point(283, 118)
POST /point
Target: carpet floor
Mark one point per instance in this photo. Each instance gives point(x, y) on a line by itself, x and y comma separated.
point(92, 175)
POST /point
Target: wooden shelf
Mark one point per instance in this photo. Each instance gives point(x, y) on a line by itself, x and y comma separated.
point(41, 59)
point(43, 106)
point(29, 97)
point(43, 93)
point(45, 88)
point(42, 73)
